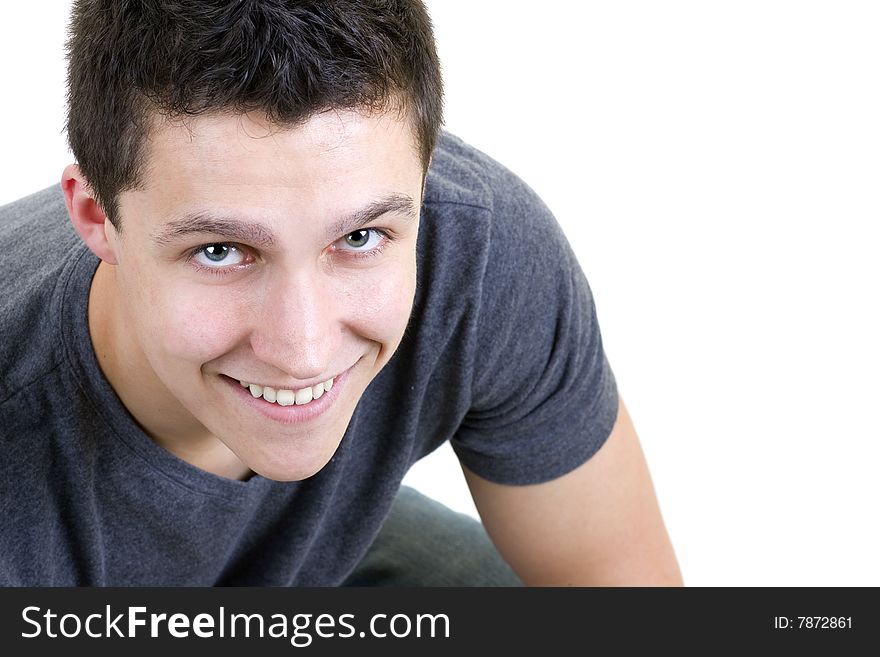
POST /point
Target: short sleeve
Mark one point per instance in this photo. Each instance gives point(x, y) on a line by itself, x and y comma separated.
point(543, 396)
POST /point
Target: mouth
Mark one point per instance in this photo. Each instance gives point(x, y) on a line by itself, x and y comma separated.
point(285, 397)
point(289, 406)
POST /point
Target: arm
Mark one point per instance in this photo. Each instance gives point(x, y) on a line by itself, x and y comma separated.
point(599, 525)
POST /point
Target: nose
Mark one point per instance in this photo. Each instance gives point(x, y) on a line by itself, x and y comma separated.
point(298, 328)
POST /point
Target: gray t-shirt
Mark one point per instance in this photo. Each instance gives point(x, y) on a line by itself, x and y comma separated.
point(503, 357)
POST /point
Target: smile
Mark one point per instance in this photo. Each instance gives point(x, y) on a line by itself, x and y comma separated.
point(284, 397)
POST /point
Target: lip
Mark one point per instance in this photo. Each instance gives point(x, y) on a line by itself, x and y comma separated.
point(290, 414)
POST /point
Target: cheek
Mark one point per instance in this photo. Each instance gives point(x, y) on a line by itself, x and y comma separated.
point(379, 302)
point(189, 324)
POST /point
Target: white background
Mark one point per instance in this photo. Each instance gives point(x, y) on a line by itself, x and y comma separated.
point(715, 166)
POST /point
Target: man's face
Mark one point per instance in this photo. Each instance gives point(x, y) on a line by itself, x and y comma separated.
point(281, 258)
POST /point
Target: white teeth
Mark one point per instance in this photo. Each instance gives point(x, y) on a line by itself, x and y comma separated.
point(288, 397)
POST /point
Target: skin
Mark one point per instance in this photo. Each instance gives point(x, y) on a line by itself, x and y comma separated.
point(598, 525)
point(170, 336)
point(168, 330)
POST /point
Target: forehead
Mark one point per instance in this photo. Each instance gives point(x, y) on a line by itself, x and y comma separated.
point(247, 161)
point(333, 136)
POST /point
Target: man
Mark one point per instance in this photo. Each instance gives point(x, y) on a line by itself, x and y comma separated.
point(283, 287)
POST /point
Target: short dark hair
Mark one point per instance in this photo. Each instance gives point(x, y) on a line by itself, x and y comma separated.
point(131, 59)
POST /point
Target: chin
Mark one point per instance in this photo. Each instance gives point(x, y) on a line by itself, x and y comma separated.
point(297, 467)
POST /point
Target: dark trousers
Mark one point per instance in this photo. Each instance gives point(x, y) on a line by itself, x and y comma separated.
point(424, 543)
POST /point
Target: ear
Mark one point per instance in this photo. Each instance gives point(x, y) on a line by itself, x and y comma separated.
point(87, 216)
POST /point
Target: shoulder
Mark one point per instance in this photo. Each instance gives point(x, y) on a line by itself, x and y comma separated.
point(461, 174)
point(33, 229)
point(518, 238)
point(37, 244)
point(509, 225)
point(39, 209)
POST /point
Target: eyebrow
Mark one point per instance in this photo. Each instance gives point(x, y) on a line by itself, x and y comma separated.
point(397, 203)
point(235, 229)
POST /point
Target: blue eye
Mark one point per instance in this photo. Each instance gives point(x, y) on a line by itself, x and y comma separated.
point(366, 237)
point(216, 252)
point(358, 238)
point(212, 255)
